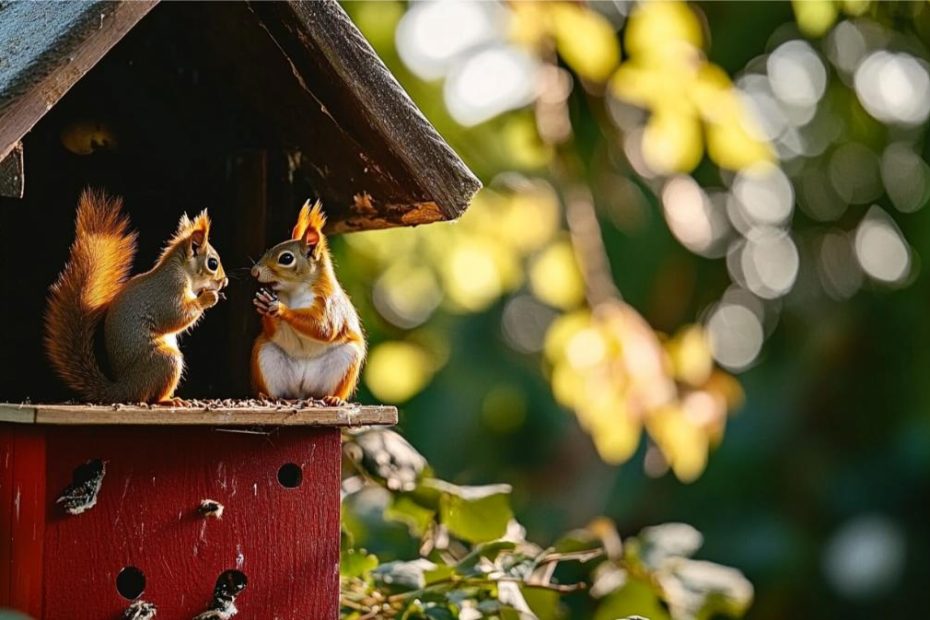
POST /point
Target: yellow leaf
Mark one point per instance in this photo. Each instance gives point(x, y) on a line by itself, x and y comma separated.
point(561, 331)
point(672, 142)
point(615, 432)
point(691, 356)
point(529, 219)
point(396, 371)
point(683, 444)
point(656, 27)
point(856, 7)
point(814, 17)
point(731, 146)
point(529, 23)
point(647, 87)
point(567, 385)
point(470, 274)
point(586, 40)
point(555, 279)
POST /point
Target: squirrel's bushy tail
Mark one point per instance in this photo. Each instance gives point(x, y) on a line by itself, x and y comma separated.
point(99, 264)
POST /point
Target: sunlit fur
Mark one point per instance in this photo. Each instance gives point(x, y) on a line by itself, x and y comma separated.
point(313, 345)
point(101, 258)
point(143, 316)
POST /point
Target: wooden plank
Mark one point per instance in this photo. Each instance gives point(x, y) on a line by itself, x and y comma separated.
point(46, 48)
point(12, 179)
point(28, 523)
point(350, 415)
point(285, 540)
point(392, 114)
point(21, 414)
point(6, 513)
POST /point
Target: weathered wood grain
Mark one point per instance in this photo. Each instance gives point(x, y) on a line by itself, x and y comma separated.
point(12, 179)
point(26, 535)
point(46, 47)
point(350, 415)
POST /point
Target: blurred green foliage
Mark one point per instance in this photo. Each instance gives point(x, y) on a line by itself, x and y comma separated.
point(693, 208)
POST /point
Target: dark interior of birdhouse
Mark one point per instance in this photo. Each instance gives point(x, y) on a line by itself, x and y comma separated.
point(170, 121)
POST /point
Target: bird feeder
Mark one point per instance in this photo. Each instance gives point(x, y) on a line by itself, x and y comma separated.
point(247, 109)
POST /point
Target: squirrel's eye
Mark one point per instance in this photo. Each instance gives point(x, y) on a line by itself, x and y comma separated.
point(286, 258)
point(213, 264)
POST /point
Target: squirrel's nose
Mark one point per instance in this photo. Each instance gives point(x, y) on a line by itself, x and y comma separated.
point(255, 271)
point(224, 283)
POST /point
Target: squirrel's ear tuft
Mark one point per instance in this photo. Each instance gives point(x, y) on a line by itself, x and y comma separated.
point(184, 225)
point(199, 231)
point(310, 223)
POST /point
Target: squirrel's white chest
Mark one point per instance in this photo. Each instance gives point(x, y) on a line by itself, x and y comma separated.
point(298, 345)
point(289, 339)
point(302, 377)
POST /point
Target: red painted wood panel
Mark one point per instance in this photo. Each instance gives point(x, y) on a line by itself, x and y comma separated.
point(28, 522)
point(285, 540)
point(6, 512)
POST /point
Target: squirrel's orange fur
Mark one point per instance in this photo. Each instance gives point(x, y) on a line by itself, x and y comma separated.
point(311, 345)
point(142, 315)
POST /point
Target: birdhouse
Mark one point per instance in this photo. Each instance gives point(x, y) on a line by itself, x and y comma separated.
point(246, 109)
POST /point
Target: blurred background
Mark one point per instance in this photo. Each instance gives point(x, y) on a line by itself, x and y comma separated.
point(691, 290)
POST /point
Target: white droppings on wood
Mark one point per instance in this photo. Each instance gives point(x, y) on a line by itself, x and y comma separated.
point(221, 474)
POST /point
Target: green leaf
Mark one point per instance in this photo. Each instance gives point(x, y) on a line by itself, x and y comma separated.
point(488, 550)
point(357, 563)
point(474, 514)
point(636, 598)
point(440, 613)
point(440, 573)
point(544, 603)
point(405, 509)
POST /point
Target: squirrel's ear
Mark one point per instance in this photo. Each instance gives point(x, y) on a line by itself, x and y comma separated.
point(200, 231)
point(310, 223)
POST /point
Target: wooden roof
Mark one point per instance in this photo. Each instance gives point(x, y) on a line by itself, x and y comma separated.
point(303, 66)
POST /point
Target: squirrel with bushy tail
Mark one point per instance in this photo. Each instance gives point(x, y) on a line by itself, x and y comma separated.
point(142, 315)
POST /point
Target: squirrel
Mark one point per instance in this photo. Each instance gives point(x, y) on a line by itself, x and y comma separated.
point(311, 344)
point(142, 316)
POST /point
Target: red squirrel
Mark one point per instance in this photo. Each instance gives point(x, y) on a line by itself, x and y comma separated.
point(142, 316)
point(311, 344)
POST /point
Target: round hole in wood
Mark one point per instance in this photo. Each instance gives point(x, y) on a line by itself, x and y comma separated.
point(290, 475)
point(230, 584)
point(130, 583)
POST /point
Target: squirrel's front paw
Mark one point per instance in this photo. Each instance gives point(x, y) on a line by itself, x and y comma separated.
point(208, 298)
point(267, 303)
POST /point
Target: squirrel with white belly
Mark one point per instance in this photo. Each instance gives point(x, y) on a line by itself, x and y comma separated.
point(311, 344)
point(142, 316)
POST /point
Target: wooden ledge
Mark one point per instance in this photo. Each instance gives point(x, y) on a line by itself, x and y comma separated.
point(281, 415)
